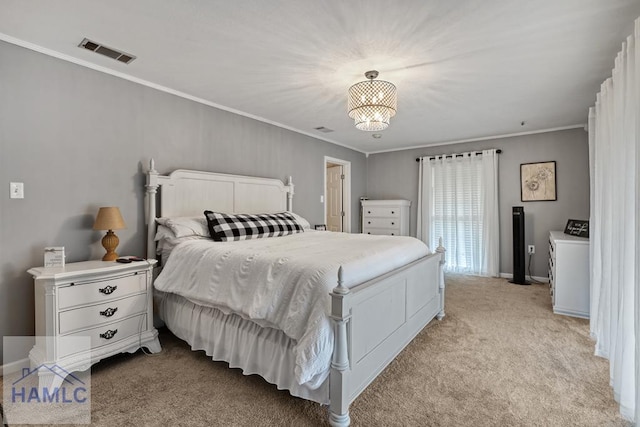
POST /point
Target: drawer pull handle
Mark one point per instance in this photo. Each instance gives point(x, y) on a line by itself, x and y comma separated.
point(392, 212)
point(368, 211)
point(393, 223)
point(109, 312)
point(109, 334)
point(368, 232)
point(108, 289)
point(392, 234)
point(368, 222)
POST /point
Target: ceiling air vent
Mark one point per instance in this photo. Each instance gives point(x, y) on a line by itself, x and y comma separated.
point(323, 129)
point(107, 51)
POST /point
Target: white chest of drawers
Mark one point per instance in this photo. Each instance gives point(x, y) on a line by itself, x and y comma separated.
point(107, 302)
point(569, 274)
point(388, 217)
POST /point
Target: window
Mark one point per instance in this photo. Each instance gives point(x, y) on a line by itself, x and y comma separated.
point(459, 203)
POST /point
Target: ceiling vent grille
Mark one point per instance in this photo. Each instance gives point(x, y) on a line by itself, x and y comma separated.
point(323, 129)
point(107, 51)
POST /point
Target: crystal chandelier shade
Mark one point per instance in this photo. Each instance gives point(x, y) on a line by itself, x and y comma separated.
point(372, 103)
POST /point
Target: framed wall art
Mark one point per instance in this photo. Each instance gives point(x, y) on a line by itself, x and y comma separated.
point(538, 181)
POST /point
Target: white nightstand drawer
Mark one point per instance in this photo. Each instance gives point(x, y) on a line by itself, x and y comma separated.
point(381, 231)
point(105, 334)
point(100, 291)
point(381, 211)
point(86, 317)
point(390, 223)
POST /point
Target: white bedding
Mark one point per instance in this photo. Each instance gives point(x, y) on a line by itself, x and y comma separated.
point(284, 282)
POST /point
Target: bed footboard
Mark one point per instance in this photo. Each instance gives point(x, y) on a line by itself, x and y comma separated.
point(374, 321)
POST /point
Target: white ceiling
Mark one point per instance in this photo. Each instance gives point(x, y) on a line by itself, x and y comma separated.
point(464, 69)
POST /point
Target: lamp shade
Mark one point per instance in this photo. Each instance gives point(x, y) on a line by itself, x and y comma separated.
point(109, 218)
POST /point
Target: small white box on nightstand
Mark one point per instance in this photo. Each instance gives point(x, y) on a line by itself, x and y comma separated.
point(54, 256)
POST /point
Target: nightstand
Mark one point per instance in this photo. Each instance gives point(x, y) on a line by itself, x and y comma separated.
point(108, 302)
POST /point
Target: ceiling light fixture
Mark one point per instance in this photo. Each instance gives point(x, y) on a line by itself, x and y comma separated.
point(372, 103)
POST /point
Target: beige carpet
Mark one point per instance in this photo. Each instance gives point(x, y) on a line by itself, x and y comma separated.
point(499, 358)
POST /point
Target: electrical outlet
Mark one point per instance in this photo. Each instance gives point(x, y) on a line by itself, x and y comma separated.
point(16, 190)
point(532, 249)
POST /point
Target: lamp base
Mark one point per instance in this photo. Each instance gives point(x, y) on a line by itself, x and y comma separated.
point(110, 242)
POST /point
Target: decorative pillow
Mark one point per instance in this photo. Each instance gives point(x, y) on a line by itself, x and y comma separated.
point(225, 227)
point(186, 226)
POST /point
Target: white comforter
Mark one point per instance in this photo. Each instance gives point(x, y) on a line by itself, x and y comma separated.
point(284, 282)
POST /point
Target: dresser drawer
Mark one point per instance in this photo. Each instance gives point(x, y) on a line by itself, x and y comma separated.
point(381, 211)
point(94, 315)
point(381, 231)
point(390, 223)
point(100, 291)
point(103, 335)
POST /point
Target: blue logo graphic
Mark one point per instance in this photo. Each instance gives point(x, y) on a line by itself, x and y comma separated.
point(72, 389)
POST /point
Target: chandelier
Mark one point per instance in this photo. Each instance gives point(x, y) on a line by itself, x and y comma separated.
point(372, 103)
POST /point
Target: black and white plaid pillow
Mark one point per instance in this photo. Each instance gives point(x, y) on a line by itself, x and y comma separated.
point(225, 227)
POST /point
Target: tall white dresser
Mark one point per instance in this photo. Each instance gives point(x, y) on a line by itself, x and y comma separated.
point(388, 217)
point(569, 274)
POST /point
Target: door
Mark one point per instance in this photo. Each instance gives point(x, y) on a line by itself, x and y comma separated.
point(335, 213)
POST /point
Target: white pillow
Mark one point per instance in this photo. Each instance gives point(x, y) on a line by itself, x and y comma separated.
point(167, 241)
point(186, 226)
point(303, 222)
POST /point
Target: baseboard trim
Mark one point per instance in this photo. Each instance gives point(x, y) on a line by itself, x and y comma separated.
point(536, 278)
point(10, 368)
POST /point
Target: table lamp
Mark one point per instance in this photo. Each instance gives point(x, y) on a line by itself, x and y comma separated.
point(109, 218)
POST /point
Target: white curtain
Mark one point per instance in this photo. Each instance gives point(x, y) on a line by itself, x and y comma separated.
point(458, 201)
point(614, 140)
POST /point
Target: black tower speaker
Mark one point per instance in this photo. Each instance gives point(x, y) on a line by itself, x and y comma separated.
point(519, 267)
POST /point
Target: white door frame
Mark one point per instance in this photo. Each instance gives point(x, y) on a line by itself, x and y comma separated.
point(346, 191)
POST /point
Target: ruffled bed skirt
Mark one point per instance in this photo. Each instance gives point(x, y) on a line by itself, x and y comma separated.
point(243, 344)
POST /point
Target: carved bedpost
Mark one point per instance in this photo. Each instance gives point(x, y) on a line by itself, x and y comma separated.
point(290, 194)
point(152, 188)
point(441, 250)
point(340, 367)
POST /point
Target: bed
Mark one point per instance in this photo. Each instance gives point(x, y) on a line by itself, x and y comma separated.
point(362, 310)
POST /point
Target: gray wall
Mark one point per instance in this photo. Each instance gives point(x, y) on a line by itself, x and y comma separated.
point(80, 139)
point(395, 175)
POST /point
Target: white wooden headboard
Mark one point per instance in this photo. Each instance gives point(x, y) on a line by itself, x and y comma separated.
point(190, 193)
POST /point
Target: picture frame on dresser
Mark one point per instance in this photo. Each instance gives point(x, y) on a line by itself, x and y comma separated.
point(577, 227)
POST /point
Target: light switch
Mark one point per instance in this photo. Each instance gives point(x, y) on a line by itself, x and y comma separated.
point(321, 199)
point(17, 190)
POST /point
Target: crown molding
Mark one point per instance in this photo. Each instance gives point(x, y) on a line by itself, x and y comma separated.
point(483, 138)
